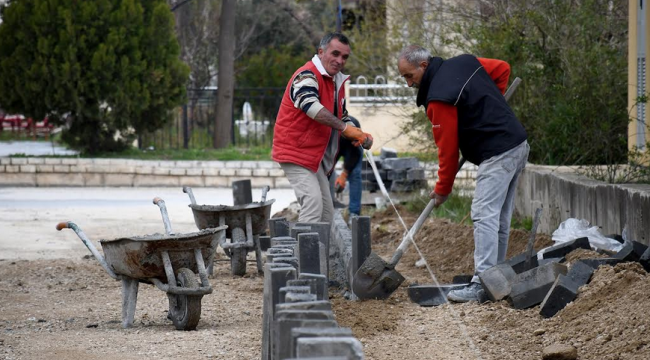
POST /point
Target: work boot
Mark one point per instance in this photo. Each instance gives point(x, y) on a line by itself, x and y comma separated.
point(468, 293)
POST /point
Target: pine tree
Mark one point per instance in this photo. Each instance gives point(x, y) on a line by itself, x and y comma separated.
point(102, 67)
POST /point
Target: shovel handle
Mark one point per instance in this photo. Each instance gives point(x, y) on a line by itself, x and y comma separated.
point(414, 229)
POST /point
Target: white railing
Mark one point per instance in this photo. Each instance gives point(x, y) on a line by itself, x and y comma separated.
point(379, 92)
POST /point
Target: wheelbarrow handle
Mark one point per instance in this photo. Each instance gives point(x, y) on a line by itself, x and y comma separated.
point(188, 191)
point(70, 225)
point(163, 211)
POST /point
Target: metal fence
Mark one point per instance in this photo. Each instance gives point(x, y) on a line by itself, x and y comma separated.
point(254, 113)
point(192, 126)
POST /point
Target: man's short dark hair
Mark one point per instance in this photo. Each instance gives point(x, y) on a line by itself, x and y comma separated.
point(325, 41)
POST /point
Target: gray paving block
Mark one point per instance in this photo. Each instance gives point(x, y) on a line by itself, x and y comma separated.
point(497, 281)
point(306, 305)
point(400, 163)
point(559, 260)
point(349, 347)
point(631, 251)
point(565, 289)
point(462, 279)
point(321, 284)
point(396, 174)
point(292, 297)
point(275, 277)
point(521, 263)
point(530, 288)
point(361, 243)
point(297, 289)
point(265, 242)
point(280, 250)
point(299, 230)
point(285, 320)
point(309, 252)
point(312, 283)
point(387, 153)
point(283, 240)
point(645, 260)
point(431, 295)
point(279, 227)
point(307, 332)
point(415, 174)
point(324, 231)
point(562, 249)
point(290, 260)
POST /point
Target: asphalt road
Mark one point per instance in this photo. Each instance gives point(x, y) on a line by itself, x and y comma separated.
point(28, 216)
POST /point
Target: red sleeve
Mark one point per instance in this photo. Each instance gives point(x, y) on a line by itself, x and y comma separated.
point(444, 121)
point(498, 70)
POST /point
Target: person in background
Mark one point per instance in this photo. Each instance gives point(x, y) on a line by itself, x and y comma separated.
point(352, 159)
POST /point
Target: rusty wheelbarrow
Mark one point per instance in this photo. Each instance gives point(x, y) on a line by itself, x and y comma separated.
point(170, 262)
point(245, 224)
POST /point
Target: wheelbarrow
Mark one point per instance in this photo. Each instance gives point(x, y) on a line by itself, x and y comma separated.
point(170, 262)
point(245, 224)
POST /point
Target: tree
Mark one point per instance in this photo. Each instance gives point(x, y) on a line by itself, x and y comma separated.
point(225, 89)
point(108, 69)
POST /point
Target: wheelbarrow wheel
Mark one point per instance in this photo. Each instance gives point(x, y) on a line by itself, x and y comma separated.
point(238, 255)
point(185, 314)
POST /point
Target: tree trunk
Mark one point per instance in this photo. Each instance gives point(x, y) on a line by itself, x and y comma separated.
point(226, 81)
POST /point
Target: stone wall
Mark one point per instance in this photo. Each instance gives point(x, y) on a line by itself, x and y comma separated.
point(44, 172)
point(134, 173)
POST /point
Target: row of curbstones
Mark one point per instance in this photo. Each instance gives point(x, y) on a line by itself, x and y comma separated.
point(298, 322)
point(526, 281)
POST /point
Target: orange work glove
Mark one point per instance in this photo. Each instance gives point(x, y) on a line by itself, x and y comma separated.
point(339, 185)
point(357, 136)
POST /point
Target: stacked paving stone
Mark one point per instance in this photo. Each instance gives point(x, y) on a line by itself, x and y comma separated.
point(298, 322)
point(526, 281)
point(398, 174)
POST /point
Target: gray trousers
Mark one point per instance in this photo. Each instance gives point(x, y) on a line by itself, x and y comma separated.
point(493, 204)
point(312, 191)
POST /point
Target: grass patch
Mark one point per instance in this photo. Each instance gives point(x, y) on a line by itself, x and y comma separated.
point(456, 208)
point(523, 223)
point(227, 154)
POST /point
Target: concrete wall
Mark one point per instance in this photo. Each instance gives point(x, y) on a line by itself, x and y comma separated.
point(563, 195)
point(384, 123)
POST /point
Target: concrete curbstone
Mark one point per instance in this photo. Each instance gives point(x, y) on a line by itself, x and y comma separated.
point(530, 287)
point(233, 165)
point(294, 289)
point(285, 320)
point(12, 168)
point(562, 249)
point(322, 291)
point(69, 161)
point(210, 172)
point(279, 227)
point(312, 332)
point(275, 277)
point(194, 172)
point(324, 231)
point(53, 161)
point(91, 179)
point(5, 161)
point(497, 281)
point(519, 262)
point(260, 172)
point(18, 161)
point(309, 252)
point(292, 297)
point(348, 347)
point(158, 171)
point(266, 165)
point(565, 289)
point(265, 242)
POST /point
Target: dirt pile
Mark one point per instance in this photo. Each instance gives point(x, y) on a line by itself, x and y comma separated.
point(608, 320)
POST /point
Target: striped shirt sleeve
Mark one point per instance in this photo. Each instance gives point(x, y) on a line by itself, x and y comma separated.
point(304, 93)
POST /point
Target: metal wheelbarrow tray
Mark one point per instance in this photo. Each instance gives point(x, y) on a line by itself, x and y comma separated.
point(170, 262)
point(245, 222)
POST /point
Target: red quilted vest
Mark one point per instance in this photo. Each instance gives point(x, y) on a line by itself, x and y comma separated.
point(297, 138)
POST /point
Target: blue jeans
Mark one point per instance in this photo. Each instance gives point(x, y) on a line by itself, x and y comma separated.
point(354, 179)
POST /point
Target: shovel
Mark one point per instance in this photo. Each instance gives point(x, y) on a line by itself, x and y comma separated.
point(378, 279)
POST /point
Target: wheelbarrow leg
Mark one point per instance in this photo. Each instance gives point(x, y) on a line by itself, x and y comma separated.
point(258, 255)
point(129, 299)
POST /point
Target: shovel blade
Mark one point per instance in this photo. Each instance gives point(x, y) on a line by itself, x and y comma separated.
point(376, 279)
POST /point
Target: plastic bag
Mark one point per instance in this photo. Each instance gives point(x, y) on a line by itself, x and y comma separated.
point(571, 229)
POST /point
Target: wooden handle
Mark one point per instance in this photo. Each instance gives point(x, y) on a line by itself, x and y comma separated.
point(62, 225)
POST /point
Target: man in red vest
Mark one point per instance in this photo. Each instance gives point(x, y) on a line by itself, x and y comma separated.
point(312, 116)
